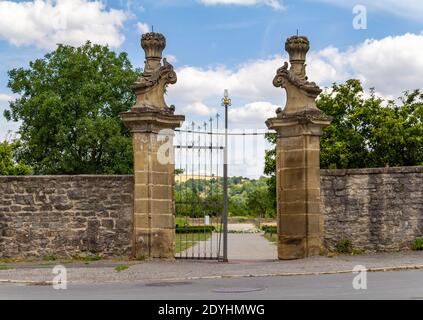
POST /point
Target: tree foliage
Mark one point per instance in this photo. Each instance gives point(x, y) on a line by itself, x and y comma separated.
point(366, 131)
point(370, 132)
point(247, 197)
point(8, 165)
point(68, 107)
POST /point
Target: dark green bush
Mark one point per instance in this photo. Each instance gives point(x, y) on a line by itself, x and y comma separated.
point(344, 246)
point(270, 229)
point(194, 229)
point(417, 244)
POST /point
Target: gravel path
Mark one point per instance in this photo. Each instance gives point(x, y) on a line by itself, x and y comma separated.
point(241, 246)
point(250, 246)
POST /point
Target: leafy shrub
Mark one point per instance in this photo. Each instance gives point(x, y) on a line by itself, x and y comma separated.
point(344, 246)
point(269, 229)
point(195, 229)
point(417, 244)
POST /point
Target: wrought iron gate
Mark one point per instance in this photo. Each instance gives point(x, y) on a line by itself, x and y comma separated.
point(199, 191)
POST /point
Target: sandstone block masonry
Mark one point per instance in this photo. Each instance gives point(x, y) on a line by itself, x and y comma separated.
point(377, 209)
point(65, 216)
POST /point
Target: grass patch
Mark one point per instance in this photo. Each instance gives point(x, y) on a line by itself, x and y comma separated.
point(417, 244)
point(140, 258)
point(11, 260)
point(185, 241)
point(272, 237)
point(345, 246)
point(181, 222)
point(50, 257)
point(4, 268)
point(121, 267)
point(87, 258)
point(270, 232)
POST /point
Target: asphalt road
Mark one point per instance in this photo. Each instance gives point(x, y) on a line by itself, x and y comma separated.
point(388, 285)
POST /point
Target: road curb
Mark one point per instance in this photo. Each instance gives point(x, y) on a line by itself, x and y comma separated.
point(30, 282)
point(290, 274)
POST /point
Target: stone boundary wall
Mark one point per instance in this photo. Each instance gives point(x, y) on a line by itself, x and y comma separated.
point(65, 216)
point(68, 216)
point(377, 209)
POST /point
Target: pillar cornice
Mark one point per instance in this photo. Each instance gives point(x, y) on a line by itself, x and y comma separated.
point(299, 123)
point(151, 121)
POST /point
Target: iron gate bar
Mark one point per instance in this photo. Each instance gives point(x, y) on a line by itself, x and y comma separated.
point(226, 102)
point(231, 133)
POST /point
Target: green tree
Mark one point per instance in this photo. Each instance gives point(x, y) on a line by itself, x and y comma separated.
point(365, 131)
point(69, 105)
point(8, 165)
point(260, 202)
point(370, 132)
point(343, 144)
point(190, 195)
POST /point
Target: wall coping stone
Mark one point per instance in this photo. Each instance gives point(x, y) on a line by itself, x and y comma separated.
point(323, 172)
point(6, 179)
point(65, 177)
point(367, 171)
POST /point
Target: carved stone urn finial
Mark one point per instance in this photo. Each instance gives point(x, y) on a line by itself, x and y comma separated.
point(150, 87)
point(297, 47)
point(153, 44)
point(301, 94)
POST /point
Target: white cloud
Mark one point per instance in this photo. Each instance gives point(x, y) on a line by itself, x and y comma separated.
point(252, 115)
point(391, 65)
point(45, 23)
point(275, 4)
point(143, 27)
point(7, 129)
point(199, 108)
point(405, 8)
point(6, 97)
point(171, 58)
point(251, 81)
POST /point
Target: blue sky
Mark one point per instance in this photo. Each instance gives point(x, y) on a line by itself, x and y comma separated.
point(234, 44)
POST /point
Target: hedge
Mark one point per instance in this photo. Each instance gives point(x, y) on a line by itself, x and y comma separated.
point(270, 229)
point(194, 229)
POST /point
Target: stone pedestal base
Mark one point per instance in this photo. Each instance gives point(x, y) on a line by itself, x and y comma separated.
point(300, 222)
point(154, 216)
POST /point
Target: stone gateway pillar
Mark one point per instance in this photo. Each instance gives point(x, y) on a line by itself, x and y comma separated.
point(299, 127)
point(152, 123)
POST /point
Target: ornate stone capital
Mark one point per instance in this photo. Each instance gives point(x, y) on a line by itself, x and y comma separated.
point(150, 87)
point(151, 121)
point(301, 93)
point(309, 122)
